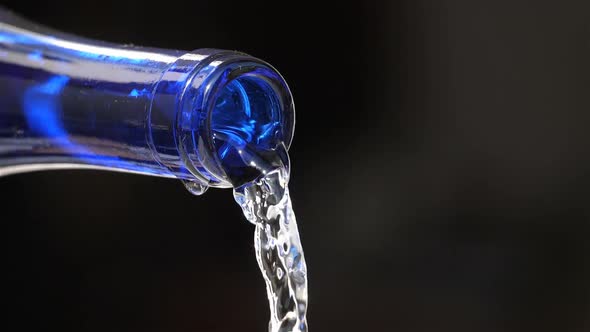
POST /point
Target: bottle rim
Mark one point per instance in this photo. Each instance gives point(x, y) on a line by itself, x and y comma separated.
point(195, 121)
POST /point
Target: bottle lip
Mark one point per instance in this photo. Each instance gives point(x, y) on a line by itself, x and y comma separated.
point(198, 102)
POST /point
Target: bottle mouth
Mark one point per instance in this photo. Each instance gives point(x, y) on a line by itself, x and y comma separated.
point(245, 116)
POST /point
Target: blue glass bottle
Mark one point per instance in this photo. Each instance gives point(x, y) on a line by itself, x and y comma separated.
point(208, 117)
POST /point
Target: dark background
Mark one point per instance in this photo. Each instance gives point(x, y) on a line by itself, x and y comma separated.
point(441, 176)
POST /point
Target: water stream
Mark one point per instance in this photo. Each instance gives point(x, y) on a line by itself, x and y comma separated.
point(266, 203)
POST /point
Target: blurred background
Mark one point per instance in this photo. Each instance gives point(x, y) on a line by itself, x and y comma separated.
point(441, 176)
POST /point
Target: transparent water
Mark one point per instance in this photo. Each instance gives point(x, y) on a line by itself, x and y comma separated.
point(266, 204)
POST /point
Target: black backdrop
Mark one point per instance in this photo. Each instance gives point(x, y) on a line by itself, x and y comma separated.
point(441, 176)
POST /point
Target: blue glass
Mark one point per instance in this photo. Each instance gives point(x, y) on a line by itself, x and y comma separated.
point(236, 127)
point(208, 117)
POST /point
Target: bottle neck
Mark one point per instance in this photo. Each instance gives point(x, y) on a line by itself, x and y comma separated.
point(74, 103)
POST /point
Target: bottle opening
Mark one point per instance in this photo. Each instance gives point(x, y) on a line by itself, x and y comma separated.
point(250, 124)
point(236, 121)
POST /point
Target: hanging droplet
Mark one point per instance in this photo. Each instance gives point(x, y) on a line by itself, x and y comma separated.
point(195, 188)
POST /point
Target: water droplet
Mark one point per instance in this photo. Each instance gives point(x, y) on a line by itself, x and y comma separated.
point(195, 188)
